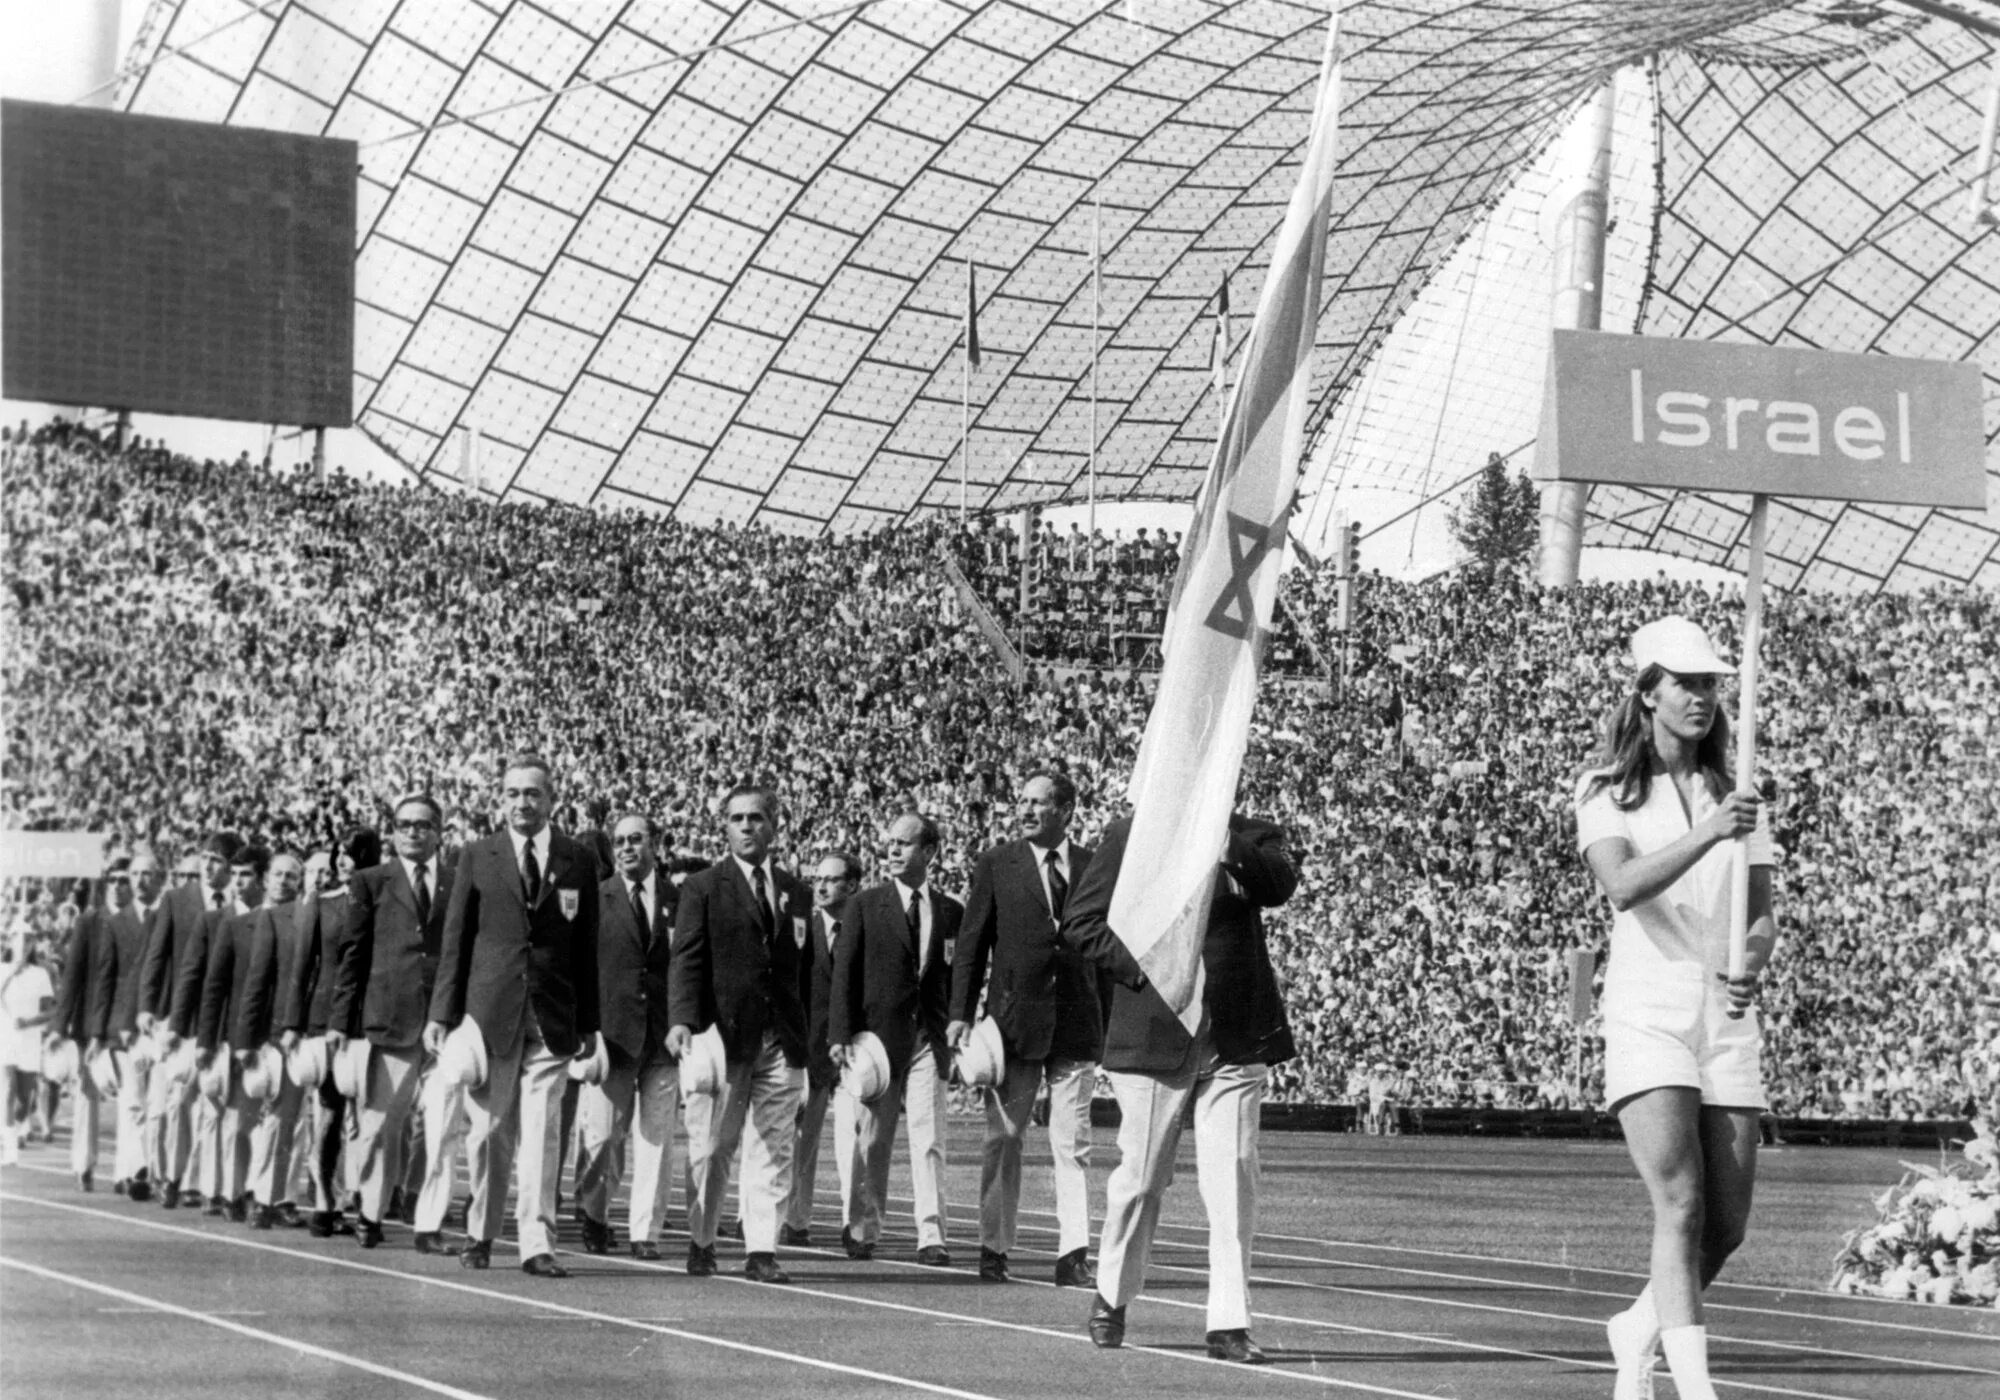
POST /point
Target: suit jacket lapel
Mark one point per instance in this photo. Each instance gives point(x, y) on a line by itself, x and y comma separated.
point(1031, 864)
point(399, 885)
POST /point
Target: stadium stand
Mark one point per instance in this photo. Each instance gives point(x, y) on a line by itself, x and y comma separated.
point(198, 644)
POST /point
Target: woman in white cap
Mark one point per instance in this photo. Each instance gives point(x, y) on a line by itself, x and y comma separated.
point(1656, 818)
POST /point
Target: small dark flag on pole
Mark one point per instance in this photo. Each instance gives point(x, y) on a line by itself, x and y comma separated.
point(971, 317)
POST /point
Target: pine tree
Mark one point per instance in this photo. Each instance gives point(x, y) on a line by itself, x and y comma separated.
point(1498, 521)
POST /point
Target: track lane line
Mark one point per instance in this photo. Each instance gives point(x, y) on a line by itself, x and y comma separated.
point(538, 1303)
point(542, 1303)
point(139, 1302)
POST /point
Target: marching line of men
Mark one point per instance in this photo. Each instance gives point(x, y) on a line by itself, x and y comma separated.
point(419, 1008)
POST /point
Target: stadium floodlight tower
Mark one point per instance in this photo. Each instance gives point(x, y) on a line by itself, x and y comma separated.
point(1582, 205)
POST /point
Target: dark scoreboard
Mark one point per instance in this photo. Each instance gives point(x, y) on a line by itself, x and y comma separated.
point(175, 266)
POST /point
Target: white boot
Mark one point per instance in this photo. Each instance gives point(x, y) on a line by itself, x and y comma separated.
point(1687, 1358)
point(1635, 1338)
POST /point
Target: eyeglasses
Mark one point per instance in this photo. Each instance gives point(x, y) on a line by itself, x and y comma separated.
point(416, 828)
point(630, 838)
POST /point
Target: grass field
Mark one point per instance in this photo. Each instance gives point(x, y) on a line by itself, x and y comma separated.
point(1385, 1266)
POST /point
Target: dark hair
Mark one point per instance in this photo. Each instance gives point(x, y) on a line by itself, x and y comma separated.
point(1065, 789)
point(625, 813)
point(437, 812)
point(928, 831)
point(1625, 755)
point(258, 858)
point(848, 862)
point(223, 843)
point(360, 844)
point(765, 797)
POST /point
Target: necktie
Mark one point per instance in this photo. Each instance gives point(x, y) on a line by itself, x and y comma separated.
point(916, 918)
point(639, 909)
point(531, 874)
point(1058, 886)
point(763, 902)
point(423, 885)
point(216, 900)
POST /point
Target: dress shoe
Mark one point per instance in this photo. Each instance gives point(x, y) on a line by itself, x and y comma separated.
point(729, 1230)
point(596, 1236)
point(432, 1242)
point(139, 1189)
point(238, 1210)
point(1073, 1270)
point(992, 1266)
point(320, 1226)
point(544, 1266)
point(645, 1249)
point(763, 1268)
point(215, 1207)
point(170, 1195)
point(191, 1200)
point(371, 1233)
point(795, 1236)
point(856, 1248)
point(477, 1254)
point(267, 1216)
point(1107, 1324)
point(934, 1256)
point(86, 1181)
point(701, 1260)
point(1234, 1344)
point(121, 1187)
point(289, 1217)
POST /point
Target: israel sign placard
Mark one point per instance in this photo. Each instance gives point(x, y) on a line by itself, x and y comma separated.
point(51, 854)
point(1708, 415)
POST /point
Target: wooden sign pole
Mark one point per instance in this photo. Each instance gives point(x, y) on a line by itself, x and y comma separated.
point(1746, 729)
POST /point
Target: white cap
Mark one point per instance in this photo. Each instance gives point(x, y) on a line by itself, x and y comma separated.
point(463, 1061)
point(706, 1064)
point(982, 1060)
point(867, 1075)
point(1678, 645)
point(595, 1068)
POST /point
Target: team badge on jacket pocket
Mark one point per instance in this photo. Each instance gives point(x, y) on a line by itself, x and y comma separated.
point(570, 901)
point(799, 932)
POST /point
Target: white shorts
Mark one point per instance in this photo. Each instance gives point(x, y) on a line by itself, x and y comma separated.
point(1673, 1030)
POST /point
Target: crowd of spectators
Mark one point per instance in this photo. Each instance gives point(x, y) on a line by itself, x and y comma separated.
point(192, 645)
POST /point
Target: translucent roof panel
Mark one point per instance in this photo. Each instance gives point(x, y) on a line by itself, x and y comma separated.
point(712, 258)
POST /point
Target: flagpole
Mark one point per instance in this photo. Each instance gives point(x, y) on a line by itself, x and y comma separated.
point(1096, 312)
point(965, 398)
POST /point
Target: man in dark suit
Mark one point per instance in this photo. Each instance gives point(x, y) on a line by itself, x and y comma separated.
point(175, 1120)
point(307, 1011)
point(234, 1019)
point(278, 948)
point(82, 1013)
point(641, 1086)
point(834, 882)
point(1156, 1066)
point(740, 945)
point(519, 957)
point(1045, 999)
point(134, 900)
point(382, 982)
point(892, 976)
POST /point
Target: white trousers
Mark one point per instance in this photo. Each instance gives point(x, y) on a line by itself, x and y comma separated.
point(1227, 1102)
point(918, 1094)
point(133, 1084)
point(441, 1104)
point(85, 1114)
point(765, 1092)
point(519, 1105)
point(273, 1141)
point(238, 1116)
point(805, 1151)
point(1008, 1108)
point(629, 1118)
point(388, 1098)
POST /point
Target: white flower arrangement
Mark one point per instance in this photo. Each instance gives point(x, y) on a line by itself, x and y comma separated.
point(1936, 1238)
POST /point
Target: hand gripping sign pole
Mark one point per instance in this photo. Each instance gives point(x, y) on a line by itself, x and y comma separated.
point(1765, 420)
point(1746, 730)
